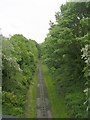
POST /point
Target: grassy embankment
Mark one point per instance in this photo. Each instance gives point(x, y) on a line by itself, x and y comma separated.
point(57, 103)
point(30, 111)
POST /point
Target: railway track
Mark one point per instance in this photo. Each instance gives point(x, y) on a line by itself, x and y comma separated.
point(43, 106)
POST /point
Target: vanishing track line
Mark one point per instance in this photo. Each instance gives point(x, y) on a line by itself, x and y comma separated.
point(43, 106)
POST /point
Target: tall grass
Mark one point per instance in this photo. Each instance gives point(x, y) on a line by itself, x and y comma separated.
point(30, 111)
point(57, 103)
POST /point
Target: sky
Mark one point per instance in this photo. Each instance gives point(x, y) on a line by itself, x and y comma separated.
point(28, 17)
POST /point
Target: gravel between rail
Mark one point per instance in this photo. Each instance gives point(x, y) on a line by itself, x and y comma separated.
point(43, 106)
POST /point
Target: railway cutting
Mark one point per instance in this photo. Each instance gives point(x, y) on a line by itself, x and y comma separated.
point(43, 105)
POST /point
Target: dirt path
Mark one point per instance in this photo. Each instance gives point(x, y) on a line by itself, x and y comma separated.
point(43, 106)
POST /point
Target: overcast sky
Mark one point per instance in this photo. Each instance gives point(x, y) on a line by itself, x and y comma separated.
point(28, 17)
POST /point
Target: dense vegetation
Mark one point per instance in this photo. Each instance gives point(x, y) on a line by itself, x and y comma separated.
point(57, 102)
point(65, 54)
point(68, 61)
point(19, 61)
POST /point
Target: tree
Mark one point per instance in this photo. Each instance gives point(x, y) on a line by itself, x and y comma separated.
point(62, 53)
point(19, 59)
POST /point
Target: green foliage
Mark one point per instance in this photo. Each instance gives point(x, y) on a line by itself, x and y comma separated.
point(74, 102)
point(61, 51)
point(12, 103)
point(86, 70)
point(30, 104)
point(19, 59)
point(58, 106)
